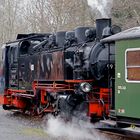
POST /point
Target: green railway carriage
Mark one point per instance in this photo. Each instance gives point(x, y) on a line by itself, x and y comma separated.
point(127, 75)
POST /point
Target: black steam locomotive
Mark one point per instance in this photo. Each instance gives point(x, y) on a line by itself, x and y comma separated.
point(62, 72)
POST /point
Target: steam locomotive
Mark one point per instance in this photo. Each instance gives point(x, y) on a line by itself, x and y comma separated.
point(54, 72)
point(92, 71)
point(63, 72)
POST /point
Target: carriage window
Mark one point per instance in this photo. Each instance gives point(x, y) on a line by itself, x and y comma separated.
point(133, 65)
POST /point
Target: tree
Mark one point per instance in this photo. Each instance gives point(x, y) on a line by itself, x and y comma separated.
point(126, 13)
point(10, 19)
point(52, 16)
point(26, 16)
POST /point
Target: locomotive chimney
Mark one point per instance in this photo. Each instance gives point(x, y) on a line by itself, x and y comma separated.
point(101, 24)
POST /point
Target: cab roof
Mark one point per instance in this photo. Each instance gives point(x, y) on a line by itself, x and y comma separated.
point(124, 35)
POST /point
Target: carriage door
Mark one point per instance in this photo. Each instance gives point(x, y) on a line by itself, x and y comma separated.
point(13, 66)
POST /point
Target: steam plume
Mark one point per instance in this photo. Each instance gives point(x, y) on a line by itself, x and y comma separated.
point(74, 130)
point(102, 8)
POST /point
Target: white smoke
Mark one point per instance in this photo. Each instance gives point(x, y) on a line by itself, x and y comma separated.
point(74, 130)
point(102, 8)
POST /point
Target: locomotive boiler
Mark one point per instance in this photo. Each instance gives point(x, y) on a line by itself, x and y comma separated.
point(66, 72)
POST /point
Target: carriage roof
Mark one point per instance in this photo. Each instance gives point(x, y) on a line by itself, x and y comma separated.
point(124, 35)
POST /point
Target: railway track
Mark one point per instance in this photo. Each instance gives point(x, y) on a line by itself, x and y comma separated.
point(119, 134)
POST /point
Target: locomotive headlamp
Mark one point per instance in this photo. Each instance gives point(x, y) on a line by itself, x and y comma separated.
point(85, 87)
